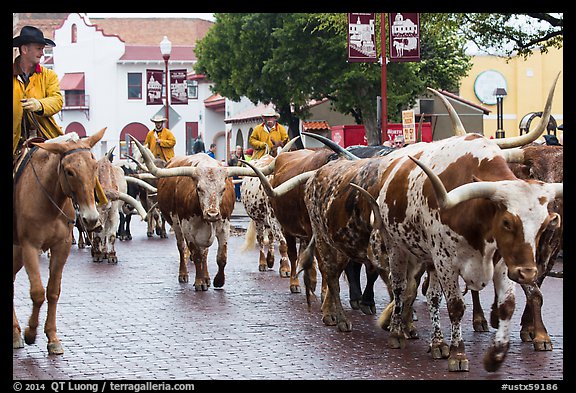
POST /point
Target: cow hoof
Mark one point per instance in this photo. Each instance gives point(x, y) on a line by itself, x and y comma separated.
point(262, 268)
point(113, 260)
point(55, 348)
point(368, 309)
point(149, 234)
point(200, 287)
point(295, 289)
point(183, 278)
point(439, 350)
point(396, 342)
point(284, 273)
point(480, 325)
point(17, 341)
point(329, 320)
point(345, 326)
point(458, 364)
point(542, 345)
point(355, 304)
point(494, 357)
point(526, 336)
point(29, 336)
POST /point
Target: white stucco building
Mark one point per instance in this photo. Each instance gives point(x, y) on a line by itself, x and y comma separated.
point(103, 81)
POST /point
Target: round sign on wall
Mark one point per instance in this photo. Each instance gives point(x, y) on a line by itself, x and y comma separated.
point(485, 84)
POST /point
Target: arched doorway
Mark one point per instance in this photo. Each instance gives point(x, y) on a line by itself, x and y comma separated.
point(239, 139)
point(76, 127)
point(138, 131)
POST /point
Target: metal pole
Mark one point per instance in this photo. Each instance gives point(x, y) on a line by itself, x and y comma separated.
point(166, 58)
point(384, 102)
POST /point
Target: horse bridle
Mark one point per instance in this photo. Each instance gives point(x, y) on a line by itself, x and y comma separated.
point(73, 195)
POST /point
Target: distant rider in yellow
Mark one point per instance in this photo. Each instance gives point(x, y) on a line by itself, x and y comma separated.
point(160, 139)
point(269, 133)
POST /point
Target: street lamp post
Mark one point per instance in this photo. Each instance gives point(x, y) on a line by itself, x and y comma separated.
point(166, 49)
point(500, 93)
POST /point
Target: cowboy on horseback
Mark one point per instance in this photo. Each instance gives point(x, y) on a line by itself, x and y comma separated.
point(36, 90)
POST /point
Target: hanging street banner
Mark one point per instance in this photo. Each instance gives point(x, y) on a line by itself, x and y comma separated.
point(154, 87)
point(362, 37)
point(178, 87)
point(409, 126)
point(404, 35)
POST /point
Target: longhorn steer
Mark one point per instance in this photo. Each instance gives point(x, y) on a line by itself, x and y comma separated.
point(196, 196)
point(114, 184)
point(543, 163)
point(487, 227)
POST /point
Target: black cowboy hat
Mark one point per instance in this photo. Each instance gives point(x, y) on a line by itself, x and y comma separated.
point(29, 35)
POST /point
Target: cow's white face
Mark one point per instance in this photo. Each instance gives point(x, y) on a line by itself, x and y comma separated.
point(210, 186)
point(519, 224)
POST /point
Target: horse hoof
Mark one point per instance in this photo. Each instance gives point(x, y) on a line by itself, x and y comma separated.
point(55, 348)
point(29, 336)
point(17, 341)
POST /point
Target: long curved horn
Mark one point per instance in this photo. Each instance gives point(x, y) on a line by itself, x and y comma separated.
point(109, 153)
point(144, 176)
point(531, 136)
point(465, 192)
point(558, 189)
point(514, 155)
point(239, 171)
point(162, 172)
point(332, 145)
point(141, 183)
point(138, 163)
point(137, 205)
point(457, 126)
point(289, 145)
point(282, 188)
point(377, 224)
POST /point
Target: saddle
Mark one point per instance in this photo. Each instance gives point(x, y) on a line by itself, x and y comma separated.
point(22, 156)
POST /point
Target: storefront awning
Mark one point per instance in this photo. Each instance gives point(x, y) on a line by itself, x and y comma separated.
point(72, 81)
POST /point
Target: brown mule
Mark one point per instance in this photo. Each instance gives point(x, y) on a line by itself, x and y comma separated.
point(58, 177)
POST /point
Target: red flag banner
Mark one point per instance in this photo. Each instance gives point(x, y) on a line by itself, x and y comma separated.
point(178, 87)
point(154, 87)
point(362, 37)
point(404, 33)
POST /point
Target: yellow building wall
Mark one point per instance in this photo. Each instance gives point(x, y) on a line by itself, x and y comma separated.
point(528, 84)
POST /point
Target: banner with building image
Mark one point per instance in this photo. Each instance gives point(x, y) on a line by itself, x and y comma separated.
point(154, 87)
point(178, 87)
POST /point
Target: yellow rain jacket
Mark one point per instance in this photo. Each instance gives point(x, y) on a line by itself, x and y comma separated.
point(260, 137)
point(164, 149)
point(45, 87)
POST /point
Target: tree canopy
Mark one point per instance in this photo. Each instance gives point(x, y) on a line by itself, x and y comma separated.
point(288, 59)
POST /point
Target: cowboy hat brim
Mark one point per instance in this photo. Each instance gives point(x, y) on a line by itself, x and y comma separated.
point(18, 41)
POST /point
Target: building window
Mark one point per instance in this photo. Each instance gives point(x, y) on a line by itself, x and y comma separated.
point(74, 98)
point(74, 33)
point(192, 89)
point(134, 86)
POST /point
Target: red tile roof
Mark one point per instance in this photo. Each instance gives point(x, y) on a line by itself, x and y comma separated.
point(317, 125)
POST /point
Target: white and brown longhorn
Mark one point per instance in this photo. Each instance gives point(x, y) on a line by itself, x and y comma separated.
point(485, 227)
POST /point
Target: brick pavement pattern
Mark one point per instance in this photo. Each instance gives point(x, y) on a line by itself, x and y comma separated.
point(133, 320)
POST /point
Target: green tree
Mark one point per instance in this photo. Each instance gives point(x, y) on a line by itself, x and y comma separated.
point(289, 59)
point(509, 34)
